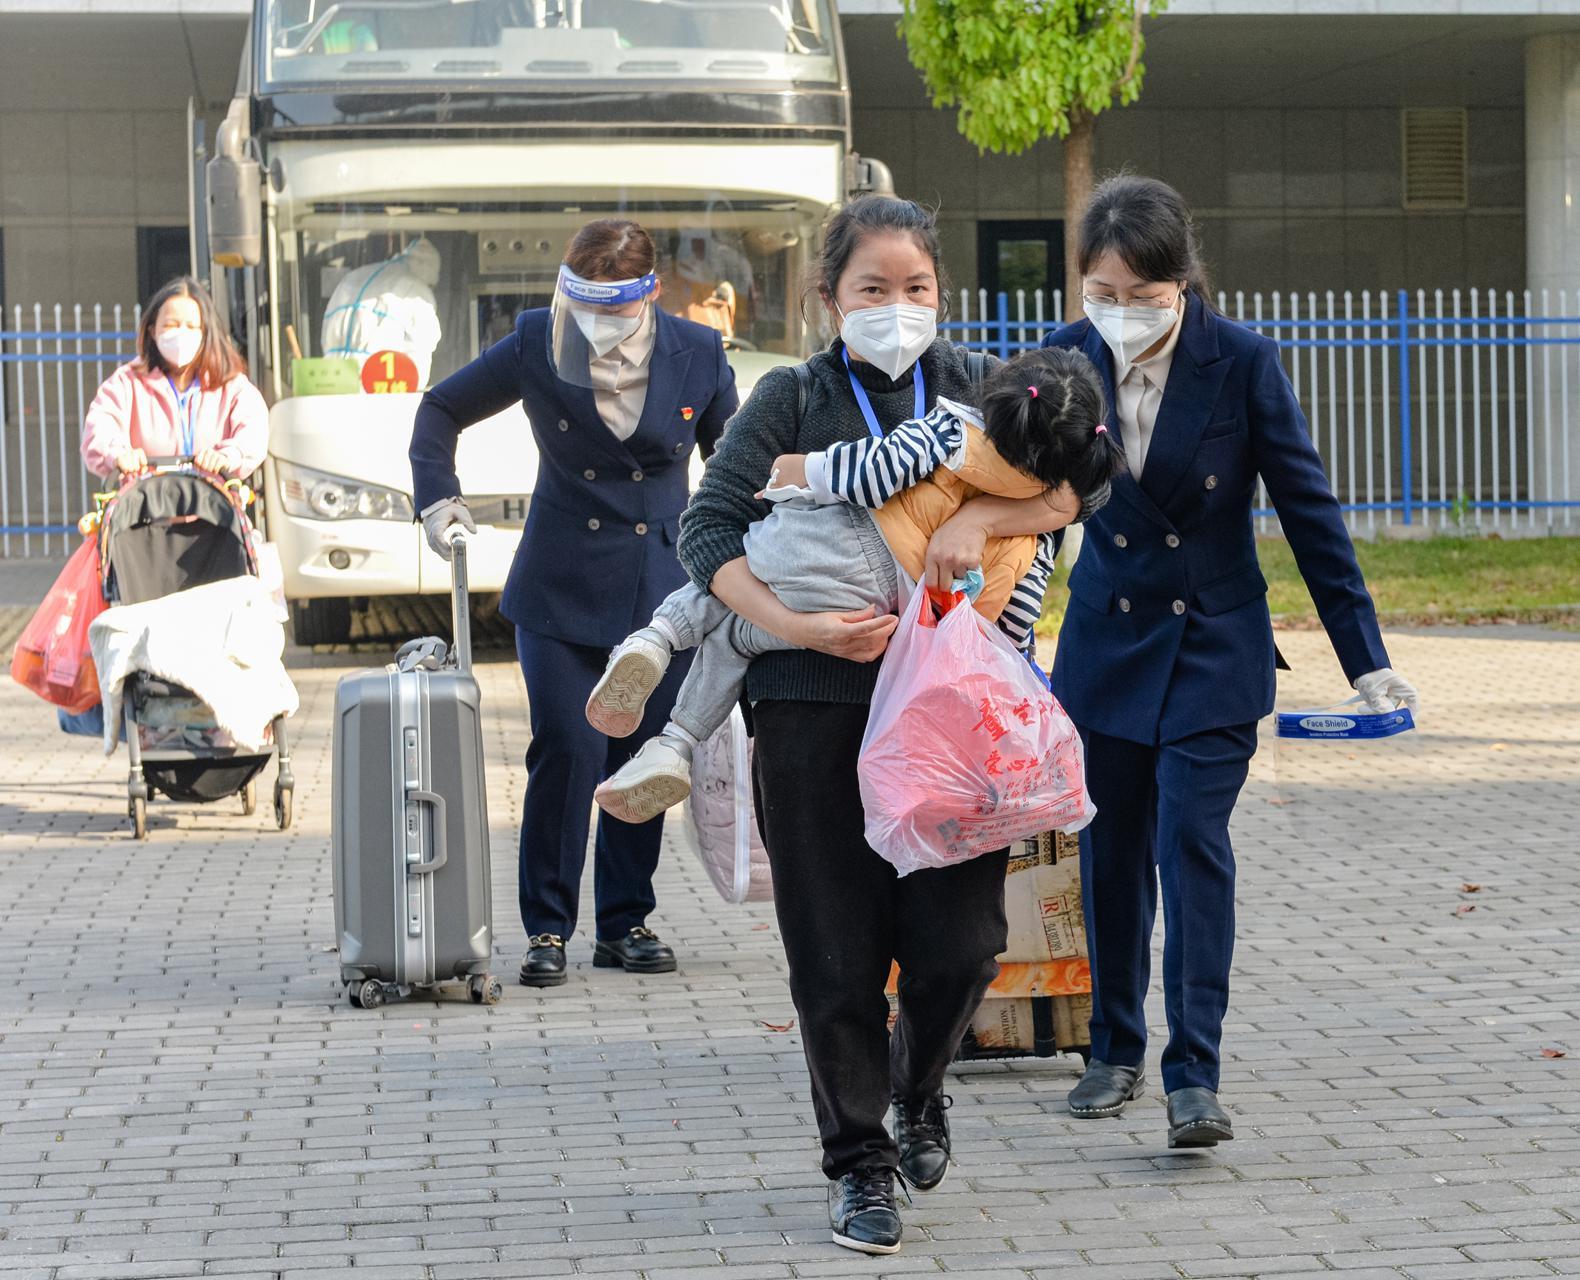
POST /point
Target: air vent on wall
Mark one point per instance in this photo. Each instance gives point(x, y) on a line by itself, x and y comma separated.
point(1434, 158)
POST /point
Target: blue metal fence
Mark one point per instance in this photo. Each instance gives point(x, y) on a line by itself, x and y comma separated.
point(1451, 408)
point(1448, 409)
point(51, 363)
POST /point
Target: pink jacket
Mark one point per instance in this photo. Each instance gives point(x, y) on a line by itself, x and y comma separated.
point(135, 408)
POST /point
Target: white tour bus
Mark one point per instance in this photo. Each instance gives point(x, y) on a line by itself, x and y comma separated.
point(397, 179)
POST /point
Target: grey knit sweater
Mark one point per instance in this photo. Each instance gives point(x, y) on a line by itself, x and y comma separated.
point(714, 524)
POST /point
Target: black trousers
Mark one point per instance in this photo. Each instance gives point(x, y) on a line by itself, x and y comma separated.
point(845, 915)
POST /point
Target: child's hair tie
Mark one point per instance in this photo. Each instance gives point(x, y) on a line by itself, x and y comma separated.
point(1033, 391)
point(1102, 429)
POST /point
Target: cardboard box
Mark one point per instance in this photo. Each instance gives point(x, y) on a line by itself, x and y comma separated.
point(1041, 1001)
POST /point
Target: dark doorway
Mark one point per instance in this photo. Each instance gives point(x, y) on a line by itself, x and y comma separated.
point(163, 253)
point(1021, 254)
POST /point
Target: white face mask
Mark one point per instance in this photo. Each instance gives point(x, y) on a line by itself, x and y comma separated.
point(1129, 331)
point(892, 337)
point(605, 331)
point(179, 347)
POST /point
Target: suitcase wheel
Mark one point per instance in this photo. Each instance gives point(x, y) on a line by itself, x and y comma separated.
point(486, 989)
point(368, 994)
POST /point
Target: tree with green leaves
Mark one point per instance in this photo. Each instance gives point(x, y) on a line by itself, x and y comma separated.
point(1023, 70)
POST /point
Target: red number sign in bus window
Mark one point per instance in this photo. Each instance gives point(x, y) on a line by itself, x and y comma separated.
point(389, 373)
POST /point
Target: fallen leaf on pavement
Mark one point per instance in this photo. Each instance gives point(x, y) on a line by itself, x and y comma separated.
point(1464, 908)
point(1553, 1053)
point(780, 1026)
point(761, 925)
point(1500, 746)
point(1470, 888)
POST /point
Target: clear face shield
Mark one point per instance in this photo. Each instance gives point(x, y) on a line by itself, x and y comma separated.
point(588, 319)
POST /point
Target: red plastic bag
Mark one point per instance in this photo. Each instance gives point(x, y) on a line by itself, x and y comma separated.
point(53, 657)
point(966, 750)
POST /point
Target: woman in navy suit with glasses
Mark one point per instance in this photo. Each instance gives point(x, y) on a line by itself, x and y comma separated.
point(1165, 660)
point(617, 393)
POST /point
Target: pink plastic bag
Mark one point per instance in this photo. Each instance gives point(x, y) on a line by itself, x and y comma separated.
point(966, 750)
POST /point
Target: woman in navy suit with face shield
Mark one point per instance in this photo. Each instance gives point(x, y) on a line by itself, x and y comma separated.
point(1165, 660)
point(617, 393)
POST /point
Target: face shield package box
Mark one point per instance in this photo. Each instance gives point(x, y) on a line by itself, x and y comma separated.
point(1041, 1001)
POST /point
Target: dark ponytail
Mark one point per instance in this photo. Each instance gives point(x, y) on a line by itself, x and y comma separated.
point(1042, 411)
point(1148, 225)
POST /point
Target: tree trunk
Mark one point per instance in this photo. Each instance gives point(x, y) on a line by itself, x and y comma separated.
point(1077, 193)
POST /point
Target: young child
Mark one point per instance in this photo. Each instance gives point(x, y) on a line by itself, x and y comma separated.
point(845, 524)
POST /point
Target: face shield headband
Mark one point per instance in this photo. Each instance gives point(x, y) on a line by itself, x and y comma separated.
point(605, 293)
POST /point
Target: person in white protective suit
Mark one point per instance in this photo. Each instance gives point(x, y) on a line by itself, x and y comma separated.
point(387, 306)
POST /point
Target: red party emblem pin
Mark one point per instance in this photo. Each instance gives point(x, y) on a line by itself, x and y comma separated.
point(686, 413)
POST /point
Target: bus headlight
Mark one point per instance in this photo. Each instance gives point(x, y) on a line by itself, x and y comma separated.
point(317, 495)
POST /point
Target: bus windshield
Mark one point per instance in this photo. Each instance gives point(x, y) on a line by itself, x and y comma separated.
point(440, 281)
point(485, 42)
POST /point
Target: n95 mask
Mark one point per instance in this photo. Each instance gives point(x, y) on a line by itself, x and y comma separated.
point(1129, 331)
point(892, 337)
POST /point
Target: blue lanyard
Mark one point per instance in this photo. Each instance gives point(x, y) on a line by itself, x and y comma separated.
point(187, 408)
point(866, 404)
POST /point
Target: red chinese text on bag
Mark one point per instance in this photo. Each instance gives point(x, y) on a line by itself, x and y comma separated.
point(53, 657)
point(966, 750)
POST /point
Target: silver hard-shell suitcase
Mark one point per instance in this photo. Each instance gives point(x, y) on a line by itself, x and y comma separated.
point(410, 821)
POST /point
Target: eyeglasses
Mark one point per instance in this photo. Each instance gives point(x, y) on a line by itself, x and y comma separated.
point(1150, 304)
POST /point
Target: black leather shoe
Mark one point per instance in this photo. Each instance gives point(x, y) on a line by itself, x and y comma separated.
point(640, 951)
point(921, 1131)
point(862, 1212)
point(1104, 1090)
point(545, 962)
point(1196, 1119)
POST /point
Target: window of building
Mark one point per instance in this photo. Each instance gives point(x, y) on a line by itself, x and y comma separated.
point(1020, 254)
point(163, 253)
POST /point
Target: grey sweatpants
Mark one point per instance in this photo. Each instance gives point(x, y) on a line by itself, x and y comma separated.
point(816, 559)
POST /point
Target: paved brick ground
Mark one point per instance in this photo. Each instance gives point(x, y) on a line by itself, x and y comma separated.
point(184, 1091)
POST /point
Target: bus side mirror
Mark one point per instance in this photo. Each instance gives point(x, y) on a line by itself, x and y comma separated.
point(863, 174)
point(235, 196)
point(235, 212)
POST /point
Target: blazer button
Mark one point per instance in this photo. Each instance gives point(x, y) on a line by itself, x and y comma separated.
point(593, 524)
point(1211, 482)
point(564, 426)
point(1124, 605)
point(641, 528)
point(1179, 606)
point(681, 447)
point(589, 474)
point(636, 475)
point(1173, 540)
point(1121, 541)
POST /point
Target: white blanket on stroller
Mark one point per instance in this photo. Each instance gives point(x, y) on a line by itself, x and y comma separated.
point(222, 641)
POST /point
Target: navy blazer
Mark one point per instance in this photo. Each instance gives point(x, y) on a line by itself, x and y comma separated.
point(1167, 632)
point(597, 555)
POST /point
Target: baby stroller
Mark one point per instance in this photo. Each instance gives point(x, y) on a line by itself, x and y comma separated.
point(174, 528)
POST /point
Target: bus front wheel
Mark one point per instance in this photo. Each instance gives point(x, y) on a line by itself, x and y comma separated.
point(321, 621)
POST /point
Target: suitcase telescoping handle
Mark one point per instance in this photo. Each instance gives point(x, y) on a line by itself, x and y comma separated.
point(460, 606)
point(440, 852)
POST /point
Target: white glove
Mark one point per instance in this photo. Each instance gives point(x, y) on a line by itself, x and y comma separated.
point(1385, 689)
point(439, 517)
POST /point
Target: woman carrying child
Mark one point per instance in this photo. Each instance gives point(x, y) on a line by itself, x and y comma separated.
point(843, 913)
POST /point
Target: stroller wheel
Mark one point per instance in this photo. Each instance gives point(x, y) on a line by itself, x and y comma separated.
point(282, 807)
point(249, 797)
point(137, 811)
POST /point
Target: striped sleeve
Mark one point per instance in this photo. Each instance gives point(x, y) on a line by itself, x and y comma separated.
point(1025, 601)
point(869, 472)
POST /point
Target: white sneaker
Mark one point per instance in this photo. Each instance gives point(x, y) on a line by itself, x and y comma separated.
point(620, 696)
point(655, 778)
